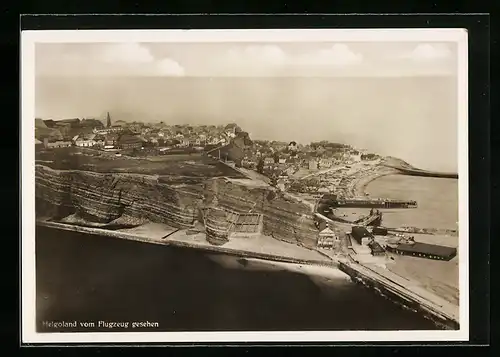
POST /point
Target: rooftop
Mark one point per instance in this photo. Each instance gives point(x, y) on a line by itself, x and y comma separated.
point(425, 248)
point(375, 247)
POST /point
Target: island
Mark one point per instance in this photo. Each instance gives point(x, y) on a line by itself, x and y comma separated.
point(216, 189)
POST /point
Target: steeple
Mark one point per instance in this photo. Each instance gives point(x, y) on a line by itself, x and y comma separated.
point(108, 121)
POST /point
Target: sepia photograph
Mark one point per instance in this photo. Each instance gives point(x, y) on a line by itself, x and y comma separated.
point(244, 185)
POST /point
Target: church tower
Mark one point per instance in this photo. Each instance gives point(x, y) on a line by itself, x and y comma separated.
point(108, 121)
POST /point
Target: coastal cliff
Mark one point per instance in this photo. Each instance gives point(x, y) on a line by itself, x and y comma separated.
point(105, 197)
point(283, 218)
point(99, 197)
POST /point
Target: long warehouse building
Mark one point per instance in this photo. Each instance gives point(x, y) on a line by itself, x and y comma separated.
point(425, 250)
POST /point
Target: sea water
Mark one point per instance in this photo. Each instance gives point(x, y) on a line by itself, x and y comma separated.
point(108, 282)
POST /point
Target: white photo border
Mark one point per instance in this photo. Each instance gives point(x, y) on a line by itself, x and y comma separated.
point(28, 41)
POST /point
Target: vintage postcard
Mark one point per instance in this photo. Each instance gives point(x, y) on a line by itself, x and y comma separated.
point(244, 186)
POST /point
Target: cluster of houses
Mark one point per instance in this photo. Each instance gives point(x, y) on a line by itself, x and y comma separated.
point(122, 135)
point(280, 160)
point(276, 159)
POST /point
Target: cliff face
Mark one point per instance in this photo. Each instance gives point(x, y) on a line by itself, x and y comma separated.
point(283, 219)
point(105, 197)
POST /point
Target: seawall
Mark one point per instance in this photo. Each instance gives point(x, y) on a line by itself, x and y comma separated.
point(209, 248)
point(401, 295)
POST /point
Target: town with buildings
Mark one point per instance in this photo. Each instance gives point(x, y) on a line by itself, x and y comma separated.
point(279, 161)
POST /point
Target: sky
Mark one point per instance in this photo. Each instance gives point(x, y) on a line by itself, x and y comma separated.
point(395, 98)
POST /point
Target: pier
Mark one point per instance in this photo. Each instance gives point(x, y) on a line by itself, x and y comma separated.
point(412, 171)
point(372, 203)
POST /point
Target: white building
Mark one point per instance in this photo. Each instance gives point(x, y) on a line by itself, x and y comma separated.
point(85, 141)
point(328, 239)
point(58, 144)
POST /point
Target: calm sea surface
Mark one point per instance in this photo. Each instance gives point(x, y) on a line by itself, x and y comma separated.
point(90, 278)
point(437, 200)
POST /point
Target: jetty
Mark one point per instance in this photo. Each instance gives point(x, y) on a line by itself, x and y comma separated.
point(373, 203)
point(443, 313)
point(407, 169)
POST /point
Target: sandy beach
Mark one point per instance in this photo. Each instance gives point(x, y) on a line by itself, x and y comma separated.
point(260, 246)
point(360, 184)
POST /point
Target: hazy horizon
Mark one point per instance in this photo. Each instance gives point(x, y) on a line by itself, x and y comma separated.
point(413, 118)
point(394, 98)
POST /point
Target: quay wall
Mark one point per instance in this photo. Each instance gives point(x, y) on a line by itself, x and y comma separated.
point(209, 248)
point(402, 299)
point(429, 174)
point(375, 204)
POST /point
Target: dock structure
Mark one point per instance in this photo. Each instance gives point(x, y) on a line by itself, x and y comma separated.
point(440, 311)
point(407, 169)
point(373, 219)
point(373, 203)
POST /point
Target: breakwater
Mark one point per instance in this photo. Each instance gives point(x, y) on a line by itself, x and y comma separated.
point(373, 203)
point(402, 295)
point(423, 173)
point(407, 169)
